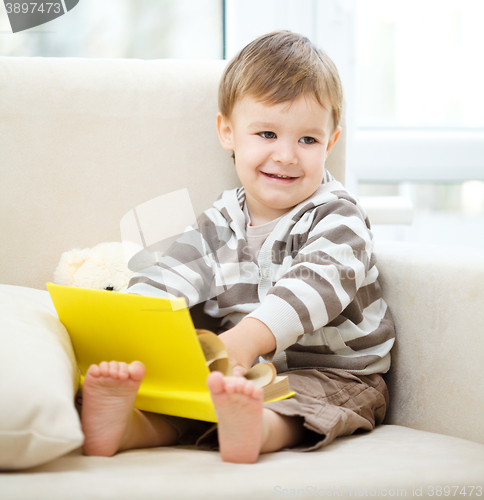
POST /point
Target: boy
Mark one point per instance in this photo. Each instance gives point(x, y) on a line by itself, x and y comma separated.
point(306, 295)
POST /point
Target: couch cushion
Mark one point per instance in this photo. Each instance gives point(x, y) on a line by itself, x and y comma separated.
point(436, 296)
point(38, 379)
point(390, 461)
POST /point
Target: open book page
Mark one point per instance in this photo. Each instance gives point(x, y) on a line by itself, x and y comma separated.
point(215, 353)
point(263, 375)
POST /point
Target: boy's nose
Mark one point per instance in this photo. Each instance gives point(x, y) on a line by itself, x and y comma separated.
point(285, 154)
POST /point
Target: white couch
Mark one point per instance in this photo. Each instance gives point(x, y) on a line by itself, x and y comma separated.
point(82, 142)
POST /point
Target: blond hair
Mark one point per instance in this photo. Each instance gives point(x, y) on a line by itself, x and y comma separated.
point(279, 67)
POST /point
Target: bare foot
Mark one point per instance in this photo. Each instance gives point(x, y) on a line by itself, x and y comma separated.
point(109, 392)
point(238, 404)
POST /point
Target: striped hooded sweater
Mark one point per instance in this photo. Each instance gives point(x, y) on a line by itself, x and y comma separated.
point(315, 282)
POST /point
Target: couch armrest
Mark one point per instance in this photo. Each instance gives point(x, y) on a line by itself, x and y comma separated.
point(436, 295)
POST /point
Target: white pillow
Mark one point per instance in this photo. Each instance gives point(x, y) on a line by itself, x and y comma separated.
point(38, 381)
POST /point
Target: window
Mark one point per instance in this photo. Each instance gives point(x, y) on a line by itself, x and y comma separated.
point(419, 101)
point(145, 29)
point(444, 213)
point(418, 64)
point(420, 115)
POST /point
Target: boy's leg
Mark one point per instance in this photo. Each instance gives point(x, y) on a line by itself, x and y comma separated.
point(326, 405)
point(245, 428)
point(333, 403)
point(281, 431)
point(110, 422)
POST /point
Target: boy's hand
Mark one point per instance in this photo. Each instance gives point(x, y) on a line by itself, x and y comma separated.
point(245, 341)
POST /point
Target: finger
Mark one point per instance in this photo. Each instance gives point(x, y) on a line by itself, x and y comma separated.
point(238, 371)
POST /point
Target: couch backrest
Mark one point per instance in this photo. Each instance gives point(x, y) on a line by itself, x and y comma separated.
point(84, 141)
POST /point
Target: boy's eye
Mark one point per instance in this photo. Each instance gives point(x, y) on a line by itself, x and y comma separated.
point(307, 140)
point(267, 135)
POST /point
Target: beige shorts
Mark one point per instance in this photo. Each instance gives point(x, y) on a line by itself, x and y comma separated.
point(330, 403)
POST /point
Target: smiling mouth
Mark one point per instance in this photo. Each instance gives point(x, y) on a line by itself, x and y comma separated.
point(275, 176)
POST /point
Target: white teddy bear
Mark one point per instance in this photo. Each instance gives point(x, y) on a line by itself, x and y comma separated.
point(102, 267)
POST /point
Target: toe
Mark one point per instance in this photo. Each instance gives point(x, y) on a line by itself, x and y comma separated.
point(123, 373)
point(113, 369)
point(104, 368)
point(137, 370)
point(253, 390)
point(248, 389)
point(241, 385)
point(215, 382)
point(230, 384)
point(94, 371)
point(257, 392)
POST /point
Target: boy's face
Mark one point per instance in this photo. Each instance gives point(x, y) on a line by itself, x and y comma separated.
point(289, 139)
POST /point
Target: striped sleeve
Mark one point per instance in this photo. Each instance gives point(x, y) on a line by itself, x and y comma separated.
point(324, 277)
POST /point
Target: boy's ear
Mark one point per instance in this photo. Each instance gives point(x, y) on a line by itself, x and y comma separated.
point(225, 132)
point(333, 140)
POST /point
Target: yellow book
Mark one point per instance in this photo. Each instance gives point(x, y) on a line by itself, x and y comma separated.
point(106, 326)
